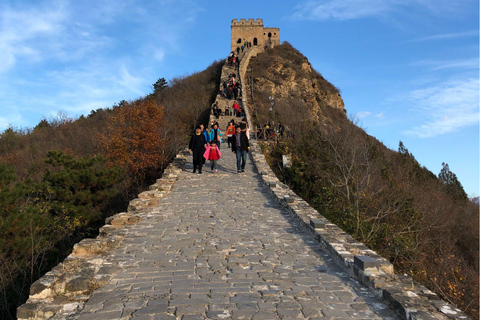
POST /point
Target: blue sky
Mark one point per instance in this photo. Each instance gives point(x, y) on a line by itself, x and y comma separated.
point(408, 69)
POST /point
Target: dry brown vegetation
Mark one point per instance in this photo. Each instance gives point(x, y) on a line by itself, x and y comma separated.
point(423, 223)
point(61, 179)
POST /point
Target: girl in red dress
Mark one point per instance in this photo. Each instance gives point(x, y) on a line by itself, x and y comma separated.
point(213, 154)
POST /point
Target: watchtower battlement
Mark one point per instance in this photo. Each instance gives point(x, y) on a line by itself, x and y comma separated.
point(252, 30)
point(247, 22)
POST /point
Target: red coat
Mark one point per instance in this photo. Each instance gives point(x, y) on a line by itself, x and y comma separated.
point(212, 154)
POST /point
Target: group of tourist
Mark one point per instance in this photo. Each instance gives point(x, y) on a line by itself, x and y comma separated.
point(205, 145)
point(246, 44)
point(269, 132)
point(233, 60)
point(231, 88)
point(233, 110)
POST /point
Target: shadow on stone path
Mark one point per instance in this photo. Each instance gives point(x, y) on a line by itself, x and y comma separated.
point(219, 247)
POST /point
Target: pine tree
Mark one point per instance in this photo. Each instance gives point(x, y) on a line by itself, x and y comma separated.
point(454, 187)
point(160, 85)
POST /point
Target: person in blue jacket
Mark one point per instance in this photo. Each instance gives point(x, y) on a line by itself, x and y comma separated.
point(216, 135)
point(205, 133)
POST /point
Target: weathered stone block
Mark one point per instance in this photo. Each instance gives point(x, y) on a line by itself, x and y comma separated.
point(93, 246)
point(366, 262)
point(27, 311)
point(317, 224)
point(41, 284)
point(288, 199)
point(421, 315)
point(78, 285)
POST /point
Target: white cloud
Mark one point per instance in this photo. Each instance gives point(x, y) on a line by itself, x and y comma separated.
point(359, 9)
point(362, 114)
point(380, 115)
point(130, 82)
point(340, 9)
point(448, 107)
point(21, 31)
point(159, 54)
point(82, 55)
point(471, 64)
point(453, 35)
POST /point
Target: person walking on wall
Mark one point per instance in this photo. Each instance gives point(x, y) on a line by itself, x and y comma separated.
point(244, 125)
point(216, 134)
point(230, 133)
point(197, 147)
point(240, 146)
point(206, 134)
point(213, 154)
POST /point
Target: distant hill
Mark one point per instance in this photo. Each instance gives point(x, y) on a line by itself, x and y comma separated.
point(423, 223)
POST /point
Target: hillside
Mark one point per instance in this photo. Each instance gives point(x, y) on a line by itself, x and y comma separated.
point(61, 179)
point(423, 223)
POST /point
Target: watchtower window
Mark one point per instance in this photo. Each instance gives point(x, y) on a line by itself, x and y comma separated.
point(255, 41)
point(239, 40)
point(269, 34)
point(275, 33)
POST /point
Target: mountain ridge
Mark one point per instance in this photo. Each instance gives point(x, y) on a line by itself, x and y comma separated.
point(384, 198)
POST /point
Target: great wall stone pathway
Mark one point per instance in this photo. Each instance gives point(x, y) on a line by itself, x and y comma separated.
point(219, 247)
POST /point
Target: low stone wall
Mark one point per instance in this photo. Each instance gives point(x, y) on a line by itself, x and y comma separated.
point(411, 300)
point(64, 290)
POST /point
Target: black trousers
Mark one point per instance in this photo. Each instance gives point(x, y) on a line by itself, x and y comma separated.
point(198, 159)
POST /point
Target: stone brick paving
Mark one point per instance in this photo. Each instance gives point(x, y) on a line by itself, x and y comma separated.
point(219, 247)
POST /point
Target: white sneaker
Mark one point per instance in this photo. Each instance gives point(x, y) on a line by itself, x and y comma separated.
point(216, 171)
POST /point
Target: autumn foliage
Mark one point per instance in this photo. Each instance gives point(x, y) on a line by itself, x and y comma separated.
point(133, 139)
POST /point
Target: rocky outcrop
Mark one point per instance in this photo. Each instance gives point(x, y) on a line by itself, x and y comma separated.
point(286, 74)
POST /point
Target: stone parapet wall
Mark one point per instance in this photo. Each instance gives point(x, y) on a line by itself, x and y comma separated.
point(411, 300)
point(63, 290)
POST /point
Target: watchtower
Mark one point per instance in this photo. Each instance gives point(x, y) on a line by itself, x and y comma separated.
point(252, 30)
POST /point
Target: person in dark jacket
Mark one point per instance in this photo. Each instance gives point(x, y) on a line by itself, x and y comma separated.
point(240, 146)
point(197, 146)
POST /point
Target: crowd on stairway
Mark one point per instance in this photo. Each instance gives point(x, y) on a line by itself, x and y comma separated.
point(246, 44)
point(233, 109)
point(231, 88)
point(205, 144)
